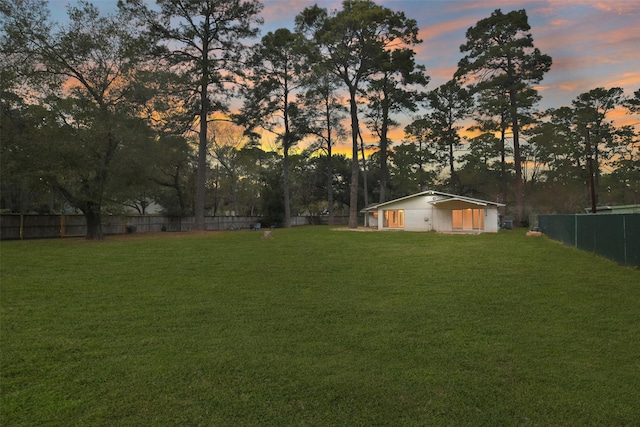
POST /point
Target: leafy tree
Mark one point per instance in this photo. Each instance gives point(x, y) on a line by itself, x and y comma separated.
point(403, 169)
point(271, 192)
point(560, 146)
point(626, 164)
point(227, 141)
point(324, 115)
point(278, 68)
point(341, 183)
point(392, 91)
point(254, 161)
point(90, 118)
point(421, 152)
point(21, 187)
point(633, 103)
point(493, 114)
point(448, 105)
point(353, 41)
point(481, 172)
point(591, 110)
point(307, 182)
point(174, 174)
point(627, 171)
point(500, 54)
point(201, 40)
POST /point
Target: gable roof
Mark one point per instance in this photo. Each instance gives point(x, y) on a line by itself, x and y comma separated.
point(450, 198)
point(458, 202)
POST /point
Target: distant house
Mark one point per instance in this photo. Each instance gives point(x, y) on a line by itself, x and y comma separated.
point(621, 209)
point(435, 211)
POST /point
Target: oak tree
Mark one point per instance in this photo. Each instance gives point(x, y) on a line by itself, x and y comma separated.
point(84, 73)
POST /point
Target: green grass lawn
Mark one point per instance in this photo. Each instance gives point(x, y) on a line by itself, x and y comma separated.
point(317, 327)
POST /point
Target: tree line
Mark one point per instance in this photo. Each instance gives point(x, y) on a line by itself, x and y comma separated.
point(179, 104)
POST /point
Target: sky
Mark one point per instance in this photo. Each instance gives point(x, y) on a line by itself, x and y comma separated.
point(593, 43)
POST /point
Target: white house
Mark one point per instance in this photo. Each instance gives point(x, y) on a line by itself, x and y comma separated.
point(435, 211)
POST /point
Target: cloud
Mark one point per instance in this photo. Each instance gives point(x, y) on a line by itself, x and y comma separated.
point(620, 7)
point(568, 87)
point(629, 80)
point(455, 27)
point(281, 13)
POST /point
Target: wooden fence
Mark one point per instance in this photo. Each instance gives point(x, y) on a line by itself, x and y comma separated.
point(16, 226)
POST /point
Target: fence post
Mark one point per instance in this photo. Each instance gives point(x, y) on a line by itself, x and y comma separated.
point(62, 226)
point(624, 237)
point(21, 226)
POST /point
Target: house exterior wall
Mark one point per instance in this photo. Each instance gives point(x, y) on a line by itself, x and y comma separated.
point(418, 213)
point(421, 215)
point(442, 220)
point(419, 219)
point(414, 215)
point(371, 220)
point(491, 219)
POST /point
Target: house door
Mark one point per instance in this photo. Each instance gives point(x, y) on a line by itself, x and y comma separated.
point(467, 219)
point(393, 219)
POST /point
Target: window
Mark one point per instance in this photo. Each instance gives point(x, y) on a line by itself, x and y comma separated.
point(394, 219)
point(467, 219)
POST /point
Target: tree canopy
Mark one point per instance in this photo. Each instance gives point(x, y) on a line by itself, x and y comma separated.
point(500, 54)
point(179, 105)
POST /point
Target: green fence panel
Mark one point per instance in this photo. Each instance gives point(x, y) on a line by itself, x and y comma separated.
point(559, 227)
point(614, 236)
point(602, 234)
point(632, 239)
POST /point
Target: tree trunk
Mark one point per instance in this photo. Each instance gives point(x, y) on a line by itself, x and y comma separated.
point(384, 146)
point(355, 166)
point(364, 177)
point(330, 183)
point(421, 171)
point(517, 161)
point(234, 194)
point(201, 181)
point(286, 144)
point(503, 169)
point(287, 196)
point(94, 222)
point(452, 172)
point(327, 104)
point(176, 185)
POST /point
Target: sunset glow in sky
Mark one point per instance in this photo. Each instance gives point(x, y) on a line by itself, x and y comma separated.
point(593, 43)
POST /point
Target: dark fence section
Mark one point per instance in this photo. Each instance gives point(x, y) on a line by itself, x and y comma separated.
point(615, 236)
point(47, 226)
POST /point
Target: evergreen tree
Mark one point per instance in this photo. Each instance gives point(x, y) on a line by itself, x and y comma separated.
point(278, 69)
point(353, 41)
point(201, 40)
point(500, 54)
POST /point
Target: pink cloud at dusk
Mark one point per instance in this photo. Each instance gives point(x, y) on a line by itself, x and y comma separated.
point(593, 43)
